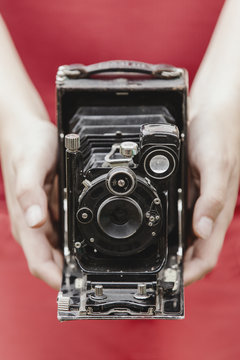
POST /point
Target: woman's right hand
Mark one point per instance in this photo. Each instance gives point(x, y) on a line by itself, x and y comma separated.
point(28, 157)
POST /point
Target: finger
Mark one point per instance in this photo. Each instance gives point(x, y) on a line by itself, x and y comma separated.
point(189, 253)
point(58, 258)
point(213, 189)
point(54, 201)
point(193, 191)
point(202, 256)
point(50, 231)
point(44, 262)
point(30, 194)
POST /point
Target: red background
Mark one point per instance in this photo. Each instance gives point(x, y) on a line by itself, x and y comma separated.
point(52, 33)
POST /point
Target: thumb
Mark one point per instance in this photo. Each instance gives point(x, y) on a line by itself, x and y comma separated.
point(31, 196)
point(213, 189)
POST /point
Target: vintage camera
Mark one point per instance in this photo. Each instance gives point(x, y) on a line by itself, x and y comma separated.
point(122, 177)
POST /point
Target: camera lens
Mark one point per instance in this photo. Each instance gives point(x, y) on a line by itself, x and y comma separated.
point(159, 164)
point(119, 218)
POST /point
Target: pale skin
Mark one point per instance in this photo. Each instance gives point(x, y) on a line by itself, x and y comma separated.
point(214, 154)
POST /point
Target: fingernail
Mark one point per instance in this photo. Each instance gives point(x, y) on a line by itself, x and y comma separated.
point(33, 215)
point(204, 227)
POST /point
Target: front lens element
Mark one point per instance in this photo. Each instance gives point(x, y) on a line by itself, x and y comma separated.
point(119, 218)
point(159, 164)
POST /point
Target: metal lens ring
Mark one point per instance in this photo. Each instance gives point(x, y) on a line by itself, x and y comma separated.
point(84, 215)
point(121, 181)
point(160, 164)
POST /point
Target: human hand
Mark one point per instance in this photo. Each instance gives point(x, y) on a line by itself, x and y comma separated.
point(28, 155)
point(214, 157)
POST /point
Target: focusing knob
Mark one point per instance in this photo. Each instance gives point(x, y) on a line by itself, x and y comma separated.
point(121, 181)
point(72, 142)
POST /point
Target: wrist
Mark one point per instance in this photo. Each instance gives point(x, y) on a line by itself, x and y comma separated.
point(18, 129)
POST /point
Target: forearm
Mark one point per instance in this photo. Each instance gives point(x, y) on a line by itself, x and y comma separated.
point(19, 100)
point(219, 73)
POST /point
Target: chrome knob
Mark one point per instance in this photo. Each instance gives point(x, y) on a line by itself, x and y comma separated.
point(72, 142)
point(128, 148)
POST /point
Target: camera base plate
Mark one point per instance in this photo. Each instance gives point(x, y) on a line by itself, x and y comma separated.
point(155, 296)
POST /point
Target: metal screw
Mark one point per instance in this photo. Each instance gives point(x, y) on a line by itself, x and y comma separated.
point(157, 217)
point(142, 289)
point(150, 223)
point(95, 250)
point(152, 218)
point(153, 233)
point(84, 215)
point(121, 183)
point(77, 244)
point(156, 201)
point(141, 293)
point(98, 290)
point(148, 214)
point(91, 240)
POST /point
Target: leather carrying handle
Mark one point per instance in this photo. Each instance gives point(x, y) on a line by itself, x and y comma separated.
point(160, 71)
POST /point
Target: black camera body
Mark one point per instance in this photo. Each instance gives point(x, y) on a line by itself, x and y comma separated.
point(122, 189)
